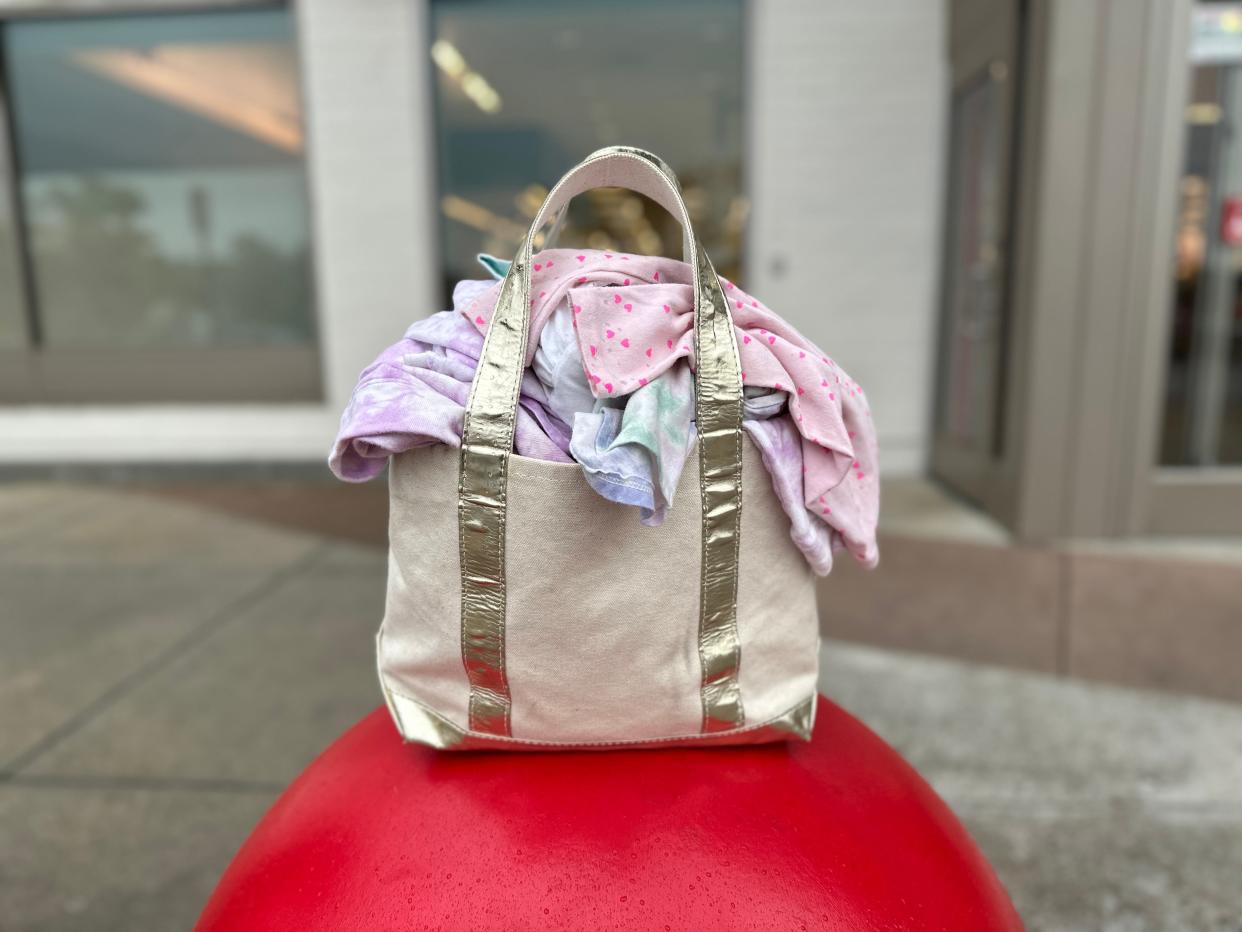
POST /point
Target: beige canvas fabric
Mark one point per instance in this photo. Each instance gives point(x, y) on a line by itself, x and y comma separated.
point(602, 617)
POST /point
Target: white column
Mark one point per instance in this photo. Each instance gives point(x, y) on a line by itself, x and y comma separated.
point(368, 104)
point(847, 128)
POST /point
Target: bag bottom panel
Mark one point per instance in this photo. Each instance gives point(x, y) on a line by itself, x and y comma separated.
point(421, 725)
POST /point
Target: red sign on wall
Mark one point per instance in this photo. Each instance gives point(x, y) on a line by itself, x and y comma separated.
point(1231, 221)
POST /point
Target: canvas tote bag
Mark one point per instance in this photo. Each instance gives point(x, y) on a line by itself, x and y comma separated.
point(524, 611)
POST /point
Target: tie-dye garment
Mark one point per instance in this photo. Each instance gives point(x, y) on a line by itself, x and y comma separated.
point(415, 392)
point(632, 318)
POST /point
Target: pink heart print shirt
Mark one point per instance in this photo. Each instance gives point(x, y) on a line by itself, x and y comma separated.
point(634, 319)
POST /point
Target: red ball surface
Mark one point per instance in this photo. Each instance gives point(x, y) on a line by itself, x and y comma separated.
point(839, 833)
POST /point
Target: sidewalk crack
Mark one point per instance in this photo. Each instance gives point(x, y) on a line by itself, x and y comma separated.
point(178, 648)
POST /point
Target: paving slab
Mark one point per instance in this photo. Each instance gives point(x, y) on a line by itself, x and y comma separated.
point(981, 602)
point(1115, 867)
point(257, 700)
point(69, 641)
point(30, 509)
point(920, 508)
point(346, 511)
point(96, 584)
point(1019, 738)
point(1156, 621)
point(175, 666)
point(338, 556)
point(115, 860)
point(1101, 808)
point(106, 526)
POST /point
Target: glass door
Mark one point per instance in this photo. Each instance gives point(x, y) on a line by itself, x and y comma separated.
point(968, 423)
point(1196, 487)
point(1203, 403)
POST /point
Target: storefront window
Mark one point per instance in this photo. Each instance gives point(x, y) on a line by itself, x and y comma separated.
point(1203, 406)
point(523, 91)
point(160, 172)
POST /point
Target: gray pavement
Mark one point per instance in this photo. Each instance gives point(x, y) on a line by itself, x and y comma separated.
point(165, 669)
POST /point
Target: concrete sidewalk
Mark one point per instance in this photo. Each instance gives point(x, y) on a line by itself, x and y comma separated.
point(166, 669)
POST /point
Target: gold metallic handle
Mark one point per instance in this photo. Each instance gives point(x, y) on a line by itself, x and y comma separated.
point(487, 440)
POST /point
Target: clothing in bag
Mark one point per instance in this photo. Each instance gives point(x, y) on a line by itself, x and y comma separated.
point(633, 441)
point(526, 607)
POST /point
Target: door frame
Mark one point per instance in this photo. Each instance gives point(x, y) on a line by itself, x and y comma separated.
point(1167, 499)
point(1102, 141)
point(982, 36)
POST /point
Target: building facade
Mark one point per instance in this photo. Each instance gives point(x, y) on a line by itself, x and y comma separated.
point(214, 214)
point(1090, 382)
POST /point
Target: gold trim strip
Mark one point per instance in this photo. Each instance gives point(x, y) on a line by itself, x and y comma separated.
point(482, 494)
point(718, 416)
point(487, 439)
point(418, 723)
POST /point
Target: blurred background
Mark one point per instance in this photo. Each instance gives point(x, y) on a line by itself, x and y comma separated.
point(1018, 223)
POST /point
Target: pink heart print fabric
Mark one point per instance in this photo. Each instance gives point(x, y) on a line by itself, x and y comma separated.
point(633, 317)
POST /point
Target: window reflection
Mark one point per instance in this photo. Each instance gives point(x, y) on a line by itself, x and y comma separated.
point(523, 91)
point(1203, 404)
point(161, 175)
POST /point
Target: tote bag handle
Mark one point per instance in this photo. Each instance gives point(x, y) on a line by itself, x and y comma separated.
point(487, 441)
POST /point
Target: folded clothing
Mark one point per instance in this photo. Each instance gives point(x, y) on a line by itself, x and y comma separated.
point(609, 385)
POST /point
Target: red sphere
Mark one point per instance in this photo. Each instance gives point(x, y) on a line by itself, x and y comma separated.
point(839, 833)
